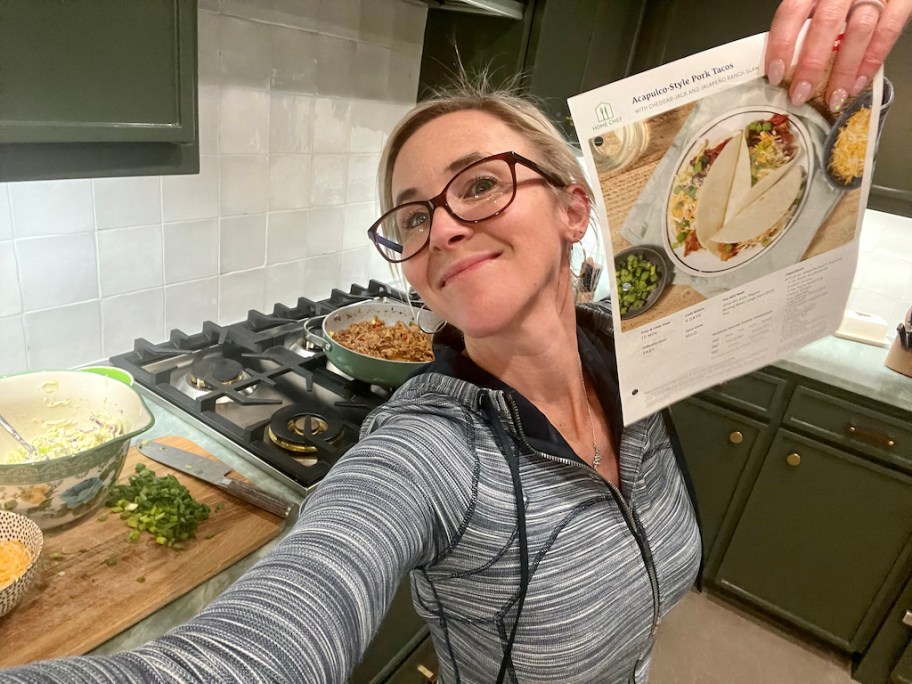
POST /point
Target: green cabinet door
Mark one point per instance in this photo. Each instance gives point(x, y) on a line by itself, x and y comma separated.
point(823, 541)
point(107, 87)
point(717, 445)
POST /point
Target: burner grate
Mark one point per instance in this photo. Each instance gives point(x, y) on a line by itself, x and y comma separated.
point(273, 381)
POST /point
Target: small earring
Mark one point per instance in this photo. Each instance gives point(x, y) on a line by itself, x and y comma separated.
point(429, 322)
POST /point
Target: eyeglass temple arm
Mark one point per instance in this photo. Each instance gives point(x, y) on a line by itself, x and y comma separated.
point(389, 244)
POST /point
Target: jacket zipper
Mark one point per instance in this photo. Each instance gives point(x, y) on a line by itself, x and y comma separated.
point(630, 517)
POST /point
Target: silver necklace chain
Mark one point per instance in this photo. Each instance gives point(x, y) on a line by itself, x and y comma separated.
point(597, 454)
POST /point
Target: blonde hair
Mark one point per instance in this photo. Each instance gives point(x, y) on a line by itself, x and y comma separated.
point(477, 94)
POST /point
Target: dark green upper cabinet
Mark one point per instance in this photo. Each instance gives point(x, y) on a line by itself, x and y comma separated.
point(560, 49)
point(98, 88)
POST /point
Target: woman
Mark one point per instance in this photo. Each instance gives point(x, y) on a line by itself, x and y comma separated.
point(545, 541)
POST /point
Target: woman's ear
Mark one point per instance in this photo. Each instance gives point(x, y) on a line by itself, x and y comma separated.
point(577, 210)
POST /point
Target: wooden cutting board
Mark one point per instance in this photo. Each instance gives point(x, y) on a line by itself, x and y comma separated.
point(85, 598)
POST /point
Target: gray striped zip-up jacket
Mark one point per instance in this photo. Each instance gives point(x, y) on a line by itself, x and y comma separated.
point(428, 491)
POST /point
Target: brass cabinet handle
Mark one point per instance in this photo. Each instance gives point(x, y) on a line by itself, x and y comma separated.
point(907, 618)
point(427, 674)
point(736, 437)
point(875, 438)
point(793, 459)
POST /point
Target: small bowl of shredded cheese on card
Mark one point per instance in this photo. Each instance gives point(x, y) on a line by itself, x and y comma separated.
point(846, 146)
point(20, 546)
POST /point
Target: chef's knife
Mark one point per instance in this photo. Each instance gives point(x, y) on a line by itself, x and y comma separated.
point(214, 472)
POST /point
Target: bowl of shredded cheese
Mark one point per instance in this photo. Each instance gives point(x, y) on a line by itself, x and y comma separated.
point(20, 546)
point(80, 425)
point(846, 146)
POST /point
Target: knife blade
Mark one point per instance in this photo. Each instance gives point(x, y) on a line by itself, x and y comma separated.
point(216, 473)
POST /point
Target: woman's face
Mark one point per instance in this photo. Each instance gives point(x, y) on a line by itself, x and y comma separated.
point(485, 277)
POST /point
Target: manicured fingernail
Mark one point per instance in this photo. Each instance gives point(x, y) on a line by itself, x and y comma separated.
point(775, 72)
point(837, 99)
point(859, 85)
point(800, 93)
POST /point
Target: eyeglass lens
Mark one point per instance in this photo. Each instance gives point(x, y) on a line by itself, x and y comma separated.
point(474, 194)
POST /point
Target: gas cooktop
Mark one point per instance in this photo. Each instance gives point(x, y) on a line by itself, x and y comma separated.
point(259, 384)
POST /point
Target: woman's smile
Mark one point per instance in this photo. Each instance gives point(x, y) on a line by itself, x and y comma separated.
point(466, 265)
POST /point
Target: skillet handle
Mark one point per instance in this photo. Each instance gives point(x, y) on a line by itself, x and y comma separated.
point(316, 337)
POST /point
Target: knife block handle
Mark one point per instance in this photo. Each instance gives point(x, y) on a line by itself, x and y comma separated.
point(258, 497)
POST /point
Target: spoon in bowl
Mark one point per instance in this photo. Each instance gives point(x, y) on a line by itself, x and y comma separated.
point(30, 450)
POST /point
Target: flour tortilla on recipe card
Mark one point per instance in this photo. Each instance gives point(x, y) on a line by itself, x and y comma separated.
point(741, 182)
point(766, 208)
point(714, 193)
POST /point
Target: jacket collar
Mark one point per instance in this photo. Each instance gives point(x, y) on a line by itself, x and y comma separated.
point(595, 337)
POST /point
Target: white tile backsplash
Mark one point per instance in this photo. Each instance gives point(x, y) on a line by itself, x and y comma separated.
point(289, 90)
point(209, 97)
point(325, 230)
point(290, 123)
point(126, 317)
point(372, 68)
point(13, 357)
point(242, 242)
point(289, 181)
point(64, 337)
point(244, 52)
point(285, 239)
point(243, 121)
point(332, 125)
point(294, 63)
point(130, 201)
point(6, 219)
point(191, 250)
point(185, 198)
point(10, 297)
point(328, 179)
point(362, 178)
point(57, 270)
point(321, 274)
point(284, 283)
point(119, 268)
point(207, 31)
point(336, 66)
point(366, 127)
point(188, 304)
point(239, 292)
point(358, 218)
point(354, 264)
point(243, 184)
point(51, 207)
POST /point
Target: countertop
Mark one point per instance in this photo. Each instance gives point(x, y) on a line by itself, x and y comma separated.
point(851, 366)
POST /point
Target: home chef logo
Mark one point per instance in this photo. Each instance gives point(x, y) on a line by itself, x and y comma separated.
point(604, 115)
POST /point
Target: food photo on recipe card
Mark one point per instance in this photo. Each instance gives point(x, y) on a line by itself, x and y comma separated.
point(732, 217)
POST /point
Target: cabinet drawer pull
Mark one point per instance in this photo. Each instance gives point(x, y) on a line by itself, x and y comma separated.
point(907, 618)
point(736, 437)
point(427, 674)
point(870, 436)
point(793, 459)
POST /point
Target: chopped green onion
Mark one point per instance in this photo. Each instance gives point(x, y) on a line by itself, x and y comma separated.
point(161, 506)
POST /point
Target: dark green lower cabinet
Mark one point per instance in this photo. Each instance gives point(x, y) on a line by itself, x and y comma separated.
point(902, 673)
point(717, 444)
point(419, 668)
point(399, 635)
point(823, 541)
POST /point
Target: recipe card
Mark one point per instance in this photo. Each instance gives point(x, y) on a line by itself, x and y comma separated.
point(732, 217)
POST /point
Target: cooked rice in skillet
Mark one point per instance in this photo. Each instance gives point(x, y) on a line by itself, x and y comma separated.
point(397, 342)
